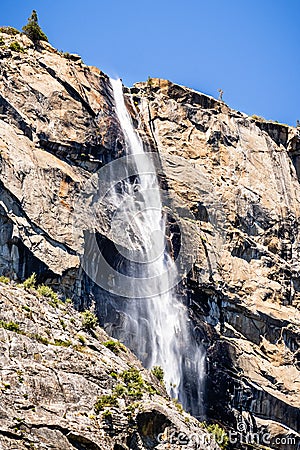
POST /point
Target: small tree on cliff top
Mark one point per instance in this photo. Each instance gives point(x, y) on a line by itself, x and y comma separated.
point(33, 30)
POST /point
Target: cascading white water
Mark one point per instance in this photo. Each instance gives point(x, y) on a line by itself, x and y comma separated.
point(157, 328)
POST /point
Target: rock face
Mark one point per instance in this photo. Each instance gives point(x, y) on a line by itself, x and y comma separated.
point(53, 371)
point(56, 129)
point(239, 178)
point(237, 175)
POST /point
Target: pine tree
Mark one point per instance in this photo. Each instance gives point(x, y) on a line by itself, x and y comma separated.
point(33, 30)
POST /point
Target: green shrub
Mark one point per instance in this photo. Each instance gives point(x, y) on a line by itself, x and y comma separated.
point(63, 324)
point(255, 117)
point(9, 30)
point(107, 414)
point(120, 390)
point(151, 389)
point(178, 405)
point(26, 308)
point(135, 391)
point(132, 376)
point(20, 376)
point(4, 280)
point(30, 282)
point(134, 382)
point(71, 56)
point(158, 372)
point(105, 400)
point(219, 435)
point(33, 30)
point(10, 326)
point(132, 407)
point(41, 339)
point(62, 343)
point(133, 387)
point(114, 346)
point(2, 43)
point(46, 291)
point(89, 320)
point(81, 339)
point(16, 47)
point(113, 374)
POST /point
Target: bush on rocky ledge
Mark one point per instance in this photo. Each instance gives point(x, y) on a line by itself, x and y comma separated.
point(11, 31)
point(158, 372)
point(89, 320)
point(33, 30)
point(16, 47)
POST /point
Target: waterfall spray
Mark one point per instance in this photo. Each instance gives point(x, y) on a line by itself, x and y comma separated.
point(156, 328)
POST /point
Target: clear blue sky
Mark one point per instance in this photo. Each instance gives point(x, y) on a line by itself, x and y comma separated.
point(250, 49)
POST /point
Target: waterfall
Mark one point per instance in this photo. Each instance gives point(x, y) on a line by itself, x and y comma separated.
point(157, 328)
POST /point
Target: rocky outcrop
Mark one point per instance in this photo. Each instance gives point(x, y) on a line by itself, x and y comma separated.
point(236, 176)
point(53, 371)
point(57, 127)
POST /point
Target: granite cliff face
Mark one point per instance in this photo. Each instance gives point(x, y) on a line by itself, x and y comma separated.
point(237, 175)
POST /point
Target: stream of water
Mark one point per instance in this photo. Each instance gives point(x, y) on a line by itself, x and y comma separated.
point(156, 328)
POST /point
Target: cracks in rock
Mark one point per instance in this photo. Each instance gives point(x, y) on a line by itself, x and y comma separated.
point(210, 269)
point(87, 376)
point(274, 132)
point(151, 125)
point(36, 229)
point(190, 134)
point(222, 315)
point(19, 121)
point(259, 394)
point(255, 326)
point(72, 153)
point(70, 89)
point(83, 93)
point(261, 248)
point(78, 441)
point(10, 435)
point(84, 442)
point(168, 119)
point(48, 425)
point(59, 383)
